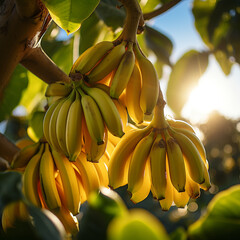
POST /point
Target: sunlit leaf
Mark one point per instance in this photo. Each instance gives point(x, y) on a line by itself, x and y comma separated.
point(34, 92)
point(150, 5)
point(69, 14)
point(112, 16)
point(90, 31)
point(223, 61)
point(184, 77)
point(159, 44)
point(179, 234)
point(222, 218)
point(138, 224)
point(35, 128)
point(13, 92)
point(10, 188)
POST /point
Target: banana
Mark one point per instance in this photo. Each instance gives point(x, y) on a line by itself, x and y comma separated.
point(138, 162)
point(176, 163)
point(61, 122)
point(123, 73)
point(110, 148)
point(180, 198)
point(122, 112)
point(93, 150)
point(180, 124)
point(102, 173)
point(81, 189)
point(31, 178)
point(47, 118)
point(74, 129)
point(145, 188)
point(47, 180)
point(24, 142)
point(196, 141)
point(88, 174)
point(53, 141)
point(108, 64)
point(167, 202)
point(22, 157)
point(120, 155)
point(93, 117)
point(206, 185)
point(107, 108)
point(88, 59)
point(69, 222)
point(150, 83)
point(133, 91)
point(69, 181)
point(158, 167)
point(192, 188)
point(194, 162)
point(57, 89)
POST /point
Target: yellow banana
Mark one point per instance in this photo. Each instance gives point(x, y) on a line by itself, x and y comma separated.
point(57, 89)
point(167, 202)
point(102, 173)
point(176, 163)
point(180, 124)
point(80, 187)
point(69, 181)
point(107, 108)
point(88, 59)
point(158, 167)
point(47, 118)
point(61, 122)
point(31, 178)
point(196, 141)
point(23, 156)
point(138, 162)
point(122, 112)
point(123, 73)
point(108, 64)
point(93, 151)
point(93, 117)
point(150, 83)
point(24, 142)
point(47, 180)
point(194, 162)
point(145, 188)
point(120, 155)
point(206, 185)
point(192, 188)
point(53, 141)
point(133, 91)
point(74, 129)
point(88, 174)
point(180, 198)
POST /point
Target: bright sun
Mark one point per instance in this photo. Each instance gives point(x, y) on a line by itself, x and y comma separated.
point(215, 91)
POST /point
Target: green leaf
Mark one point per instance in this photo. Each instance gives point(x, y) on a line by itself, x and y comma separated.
point(179, 234)
point(90, 31)
point(111, 15)
point(159, 44)
point(34, 92)
point(222, 218)
point(44, 227)
point(10, 188)
point(138, 224)
point(35, 128)
point(184, 77)
point(69, 14)
point(13, 92)
point(150, 5)
point(223, 61)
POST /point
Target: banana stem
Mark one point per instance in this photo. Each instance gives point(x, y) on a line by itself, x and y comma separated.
point(133, 20)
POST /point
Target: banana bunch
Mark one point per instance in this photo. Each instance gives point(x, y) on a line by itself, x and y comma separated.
point(167, 159)
point(81, 119)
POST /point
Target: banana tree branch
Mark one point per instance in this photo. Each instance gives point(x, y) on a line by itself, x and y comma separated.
point(7, 149)
point(160, 10)
point(42, 66)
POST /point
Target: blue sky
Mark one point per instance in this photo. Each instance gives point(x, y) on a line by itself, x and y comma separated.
point(215, 91)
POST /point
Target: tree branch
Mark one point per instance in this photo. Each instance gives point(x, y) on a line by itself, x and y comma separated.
point(7, 148)
point(160, 10)
point(42, 66)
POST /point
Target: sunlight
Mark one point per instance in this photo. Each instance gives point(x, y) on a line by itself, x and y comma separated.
point(215, 92)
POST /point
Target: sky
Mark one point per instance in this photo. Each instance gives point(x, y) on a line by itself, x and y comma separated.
point(215, 91)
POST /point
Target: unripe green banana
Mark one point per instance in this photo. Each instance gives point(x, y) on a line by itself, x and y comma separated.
point(57, 89)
